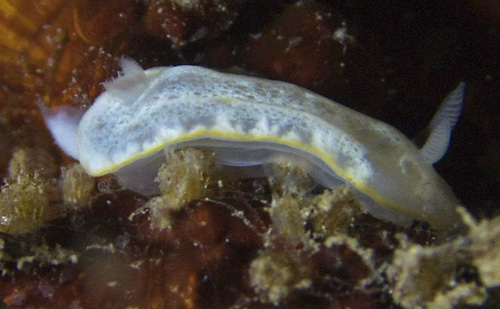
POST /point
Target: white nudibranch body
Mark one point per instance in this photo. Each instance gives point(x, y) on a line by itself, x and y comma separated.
point(249, 121)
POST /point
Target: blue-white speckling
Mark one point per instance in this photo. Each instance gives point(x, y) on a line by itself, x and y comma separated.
point(249, 121)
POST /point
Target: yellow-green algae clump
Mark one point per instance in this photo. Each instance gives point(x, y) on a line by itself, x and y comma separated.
point(293, 207)
point(182, 178)
point(77, 186)
point(456, 269)
point(304, 222)
point(24, 197)
point(275, 274)
point(23, 204)
point(427, 276)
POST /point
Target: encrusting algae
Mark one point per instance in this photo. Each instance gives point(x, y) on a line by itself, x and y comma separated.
point(456, 272)
point(307, 224)
point(428, 275)
point(443, 275)
point(334, 212)
point(182, 178)
point(274, 275)
point(302, 217)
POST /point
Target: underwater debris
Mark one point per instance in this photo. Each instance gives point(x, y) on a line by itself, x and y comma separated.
point(33, 255)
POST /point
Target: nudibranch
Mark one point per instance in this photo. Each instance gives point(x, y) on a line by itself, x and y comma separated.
point(246, 122)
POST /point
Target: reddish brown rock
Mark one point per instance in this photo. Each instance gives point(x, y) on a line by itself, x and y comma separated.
point(182, 22)
point(98, 22)
point(310, 53)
